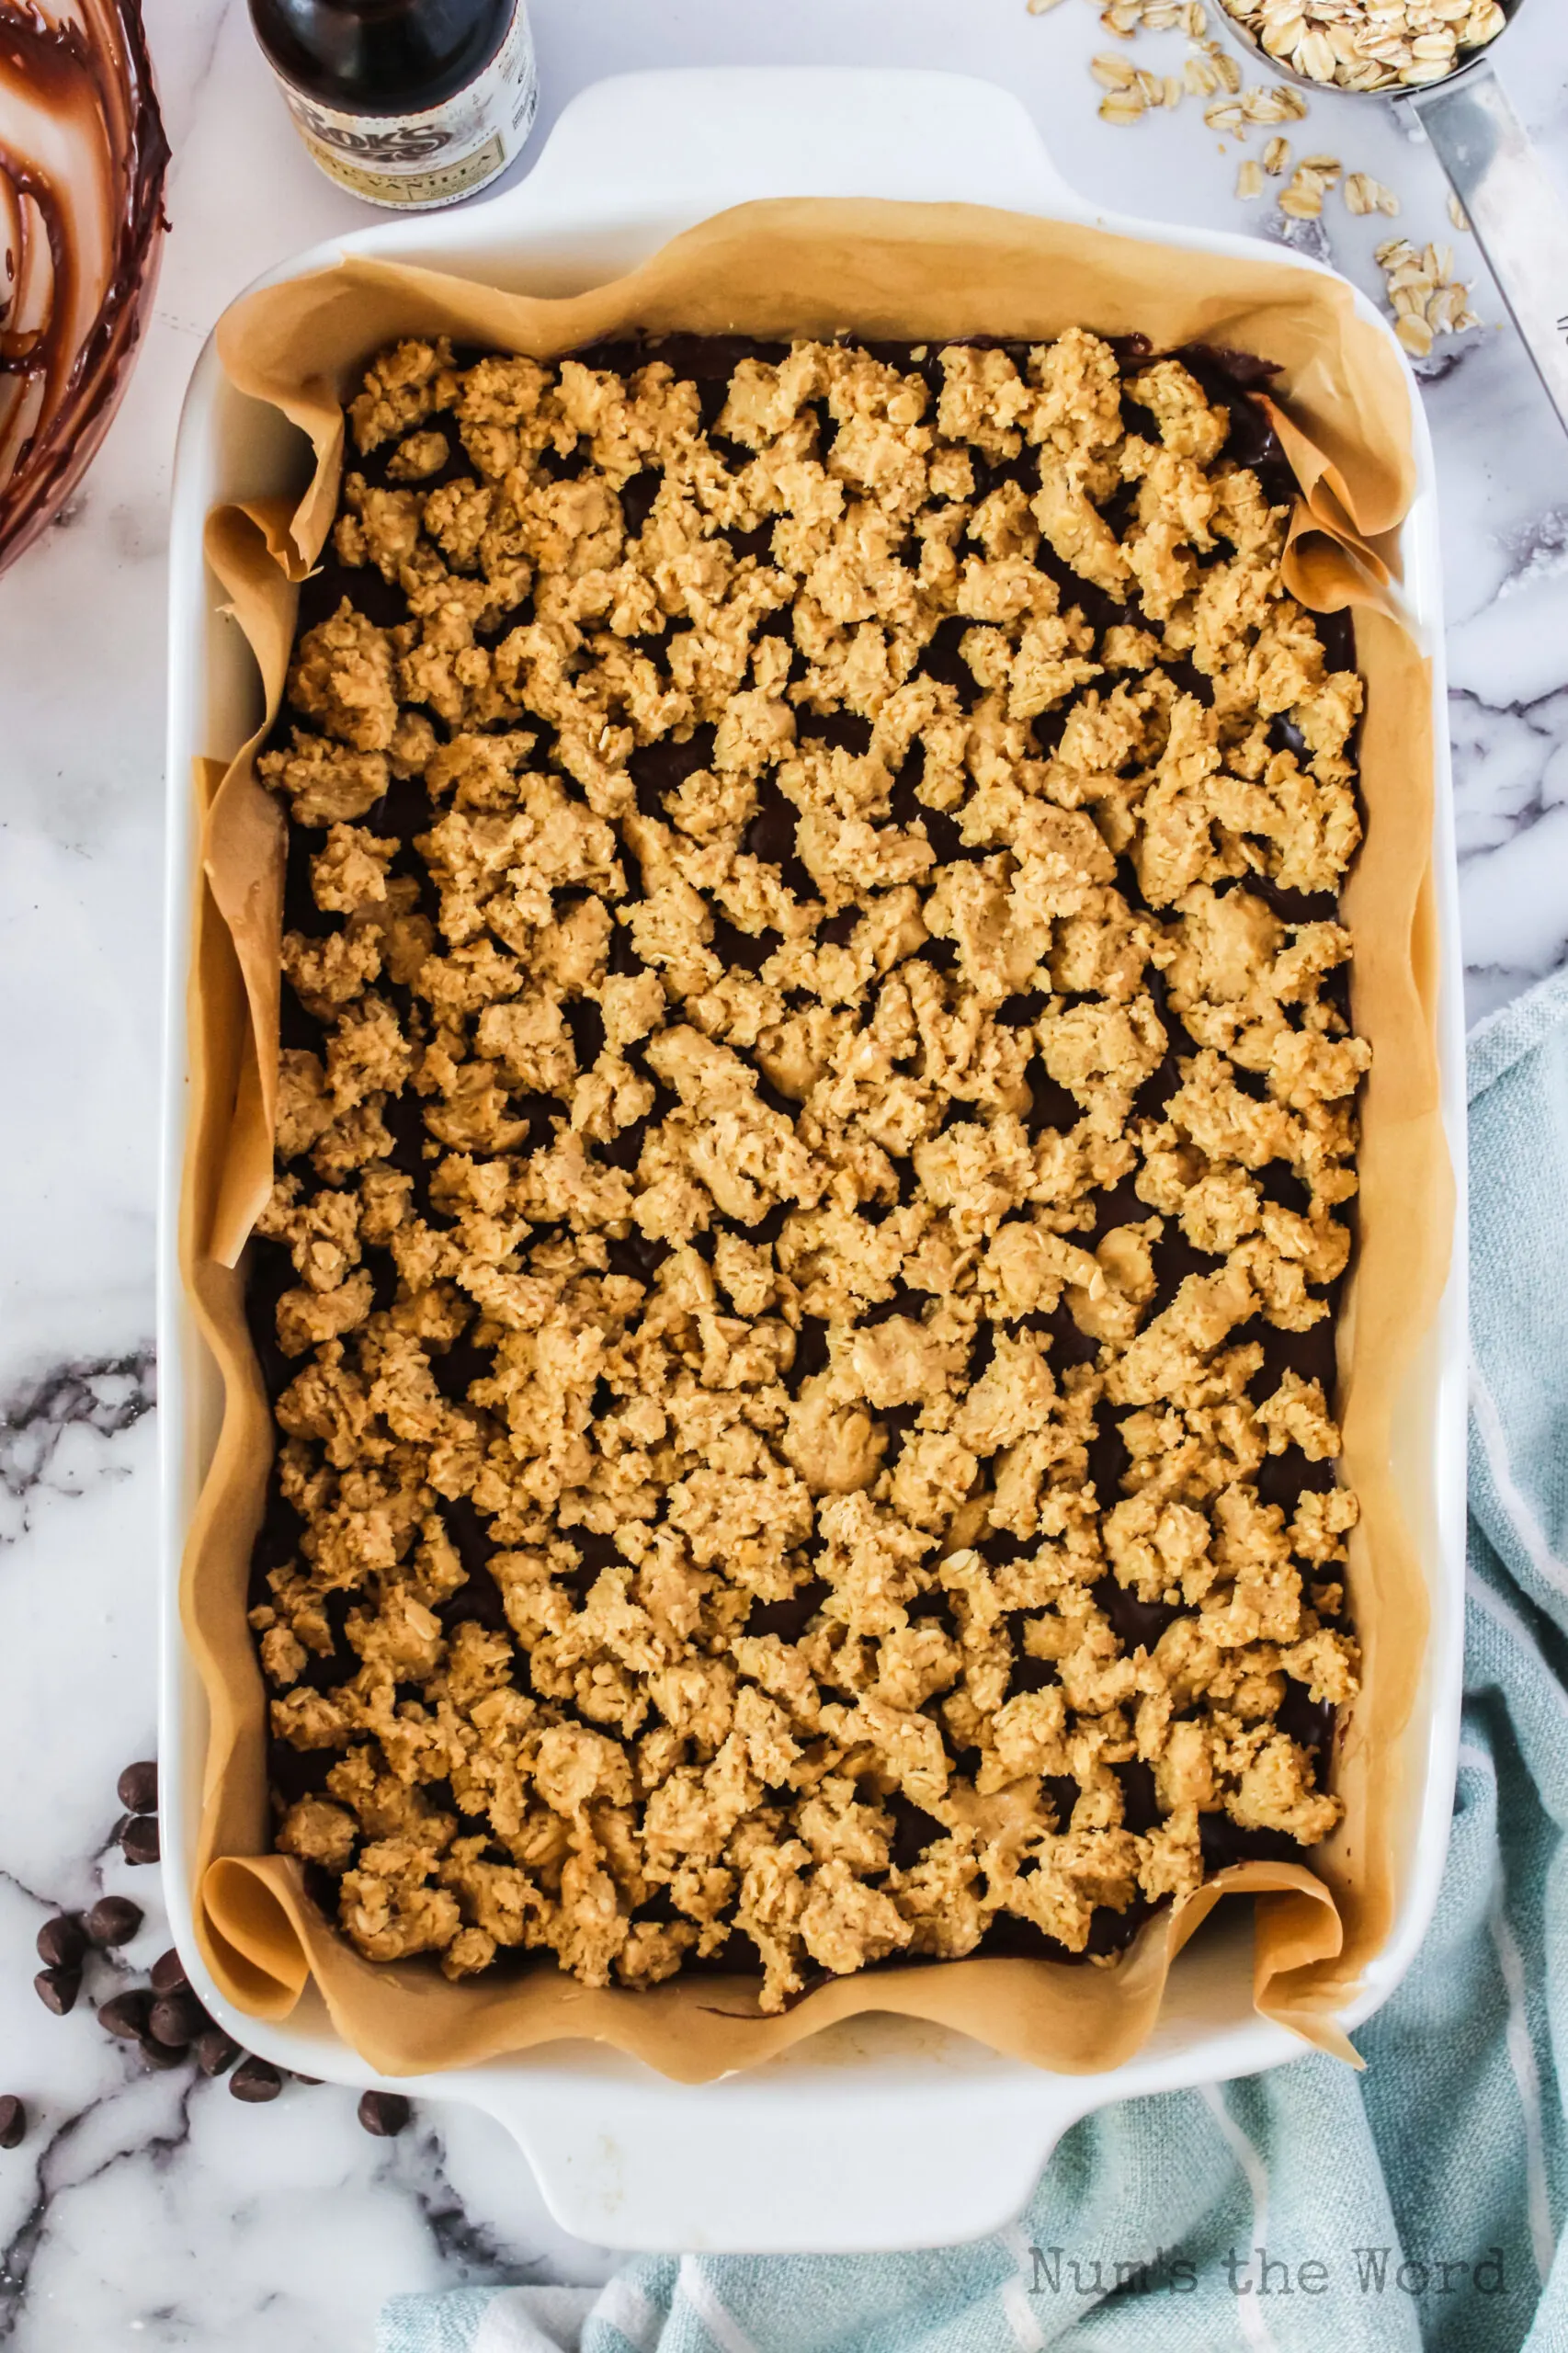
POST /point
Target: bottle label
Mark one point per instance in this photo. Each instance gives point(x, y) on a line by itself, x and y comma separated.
point(417, 161)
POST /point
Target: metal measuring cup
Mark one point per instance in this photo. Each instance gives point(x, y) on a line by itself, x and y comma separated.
point(1520, 222)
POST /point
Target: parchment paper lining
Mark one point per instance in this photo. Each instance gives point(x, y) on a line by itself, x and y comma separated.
point(814, 268)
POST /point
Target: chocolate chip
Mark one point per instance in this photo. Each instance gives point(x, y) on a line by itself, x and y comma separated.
point(168, 1973)
point(256, 2080)
point(58, 1988)
point(62, 1942)
point(216, 2051)
point(113, 1920)
point(127, 2014)
point(139, 1839)
point(137, 1788)
point(160, 2054)
point(12, 2122)
point(313, 2081)
point(384, 2113)
point(177, 2020)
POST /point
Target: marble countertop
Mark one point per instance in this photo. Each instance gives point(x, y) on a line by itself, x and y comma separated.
point(141, 2207)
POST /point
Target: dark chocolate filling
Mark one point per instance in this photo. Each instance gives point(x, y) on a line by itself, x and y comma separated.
point(1230, 379)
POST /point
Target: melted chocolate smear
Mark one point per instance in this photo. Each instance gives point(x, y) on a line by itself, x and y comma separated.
point(1175, 1258)
point(943, 662)
point(1117, 1206)
point(1007, 1938)
point(1137, 1624)
point(405, 1121)
point(404, 809)
point(744, 950)
point(598, 1549)
point(277, 1542)
point(1311, 1355)
point(300, 912)
point(769, 1227)
point(904, 1300)
point(384, 1279)
point(789, 1619)
point(913, 1831)
point(1018, 1012)
point(1279, 1183)
point(658, 769)
point(1064, 1792)
point(811, 1353)
point(1107, 1460)
point(376, 465)
point(1141, 1807)
point(470, 1537)
point(1307, 1722)
point(1029, 1674)
point(897, 1421)
point(1224, 1841)
point(702, 359)
point(624, 961)
point(381, 601)
point(298, 1031)
point(1295, 906)
point(1051, 1105)
point(625, 1147)
point(296, 1773)
point(637, 498)
point(270, 1273)
point(637, 1255)
point(455, 1370)
point(1283, 1479)
point(771, 834)
point(1068, 1345)
point(586, 1023)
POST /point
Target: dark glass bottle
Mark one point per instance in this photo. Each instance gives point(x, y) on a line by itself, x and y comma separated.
point(410, 103)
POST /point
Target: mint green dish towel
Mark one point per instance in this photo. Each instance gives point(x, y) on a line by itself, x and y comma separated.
point(1416, 2205)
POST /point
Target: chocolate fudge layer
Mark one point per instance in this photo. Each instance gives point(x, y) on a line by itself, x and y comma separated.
point(815, 1143)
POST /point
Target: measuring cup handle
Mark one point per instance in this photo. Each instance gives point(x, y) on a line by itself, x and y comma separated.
point(1520, 222)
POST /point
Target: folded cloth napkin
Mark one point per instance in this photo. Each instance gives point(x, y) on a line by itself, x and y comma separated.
point(1417, 2204)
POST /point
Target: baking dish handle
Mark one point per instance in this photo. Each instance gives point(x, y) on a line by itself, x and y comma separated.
point(790, 131)
point(839, 2157)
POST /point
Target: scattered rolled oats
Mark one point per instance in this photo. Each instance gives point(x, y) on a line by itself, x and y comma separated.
point(1458, 214)
point(1249, 181)
point(1363, 193)
point(1424, 295)
point(1276, 158)
point(1301, 198)
point(746, 1483)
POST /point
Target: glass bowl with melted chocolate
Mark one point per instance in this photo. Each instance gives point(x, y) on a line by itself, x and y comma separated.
point(81, 162)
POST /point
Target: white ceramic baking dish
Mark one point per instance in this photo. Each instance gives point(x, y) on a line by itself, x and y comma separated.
point(880, 2132)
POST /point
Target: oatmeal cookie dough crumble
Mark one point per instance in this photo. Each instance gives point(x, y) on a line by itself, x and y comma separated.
point(815, 1122)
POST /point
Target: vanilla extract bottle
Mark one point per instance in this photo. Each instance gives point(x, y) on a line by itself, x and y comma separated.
point(409, 103)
